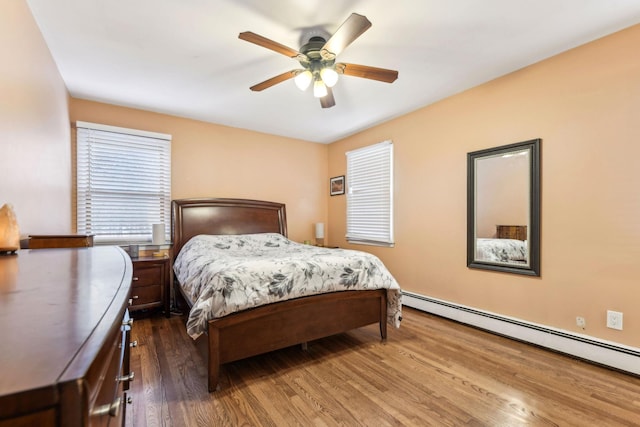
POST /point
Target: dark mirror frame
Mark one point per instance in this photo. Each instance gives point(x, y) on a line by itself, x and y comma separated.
point(533, 243)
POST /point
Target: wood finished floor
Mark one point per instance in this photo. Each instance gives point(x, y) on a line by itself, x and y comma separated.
point(430, 372)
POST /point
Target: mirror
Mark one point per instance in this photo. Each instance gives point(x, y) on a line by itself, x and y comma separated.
point(503, 208)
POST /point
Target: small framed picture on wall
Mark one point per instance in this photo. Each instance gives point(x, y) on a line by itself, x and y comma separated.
point(336, 185)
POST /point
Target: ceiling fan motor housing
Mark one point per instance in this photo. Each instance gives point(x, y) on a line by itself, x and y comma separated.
point(312, 48)
point(315, 59)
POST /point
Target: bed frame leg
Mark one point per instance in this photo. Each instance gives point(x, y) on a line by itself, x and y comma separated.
point(214, 359)
point(383, 330)
point(214, 380)
point(305, 346)
point(383, 318)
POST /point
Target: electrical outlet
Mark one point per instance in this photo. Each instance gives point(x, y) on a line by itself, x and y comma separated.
point(614, 320)
point(580, 322)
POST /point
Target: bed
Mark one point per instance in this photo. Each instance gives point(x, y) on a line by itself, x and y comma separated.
point(509, 246)
point(226, 224)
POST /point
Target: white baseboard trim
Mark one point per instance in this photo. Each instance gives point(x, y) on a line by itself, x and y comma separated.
point(602, 352)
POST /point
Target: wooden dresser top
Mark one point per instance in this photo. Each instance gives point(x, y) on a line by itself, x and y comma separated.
point(53, 303)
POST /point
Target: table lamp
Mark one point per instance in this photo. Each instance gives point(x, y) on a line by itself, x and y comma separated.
point(320, 234)
point(9, 232)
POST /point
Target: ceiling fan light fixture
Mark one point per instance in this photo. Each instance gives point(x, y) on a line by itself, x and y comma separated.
point(303, 79)
point(317, 57)
point(319, 89)
point(329, 76)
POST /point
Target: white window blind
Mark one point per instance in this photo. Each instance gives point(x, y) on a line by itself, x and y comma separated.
point(370, 195)
point(123, 182)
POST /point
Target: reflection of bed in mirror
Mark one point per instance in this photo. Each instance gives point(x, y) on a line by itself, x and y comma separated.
point(509, 246)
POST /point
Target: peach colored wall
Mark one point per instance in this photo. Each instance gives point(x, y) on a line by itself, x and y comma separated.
point(585, 105)
point(209, 160)
point(34, 126)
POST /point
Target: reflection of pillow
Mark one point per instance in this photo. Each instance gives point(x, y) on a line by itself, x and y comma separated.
point(9, 233)
point(501, 250)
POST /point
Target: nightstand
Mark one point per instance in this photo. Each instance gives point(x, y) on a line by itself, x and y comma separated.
point(150, 284)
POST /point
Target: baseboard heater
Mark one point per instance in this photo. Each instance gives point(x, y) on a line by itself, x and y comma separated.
point(613, 355)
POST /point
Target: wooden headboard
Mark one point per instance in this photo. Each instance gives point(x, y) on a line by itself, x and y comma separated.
point(190, 217)
point(518, 232)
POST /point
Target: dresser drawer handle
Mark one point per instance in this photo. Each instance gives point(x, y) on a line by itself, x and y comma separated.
point(128, 322)
point(135, 279)
point(133, 343)
point(111, 409)
point(124, 378)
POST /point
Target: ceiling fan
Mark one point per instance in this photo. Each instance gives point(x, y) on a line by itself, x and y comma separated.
point(318, 60)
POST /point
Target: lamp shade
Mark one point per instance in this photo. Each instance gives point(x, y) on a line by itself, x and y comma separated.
point(320, 230)
point(158, 234)
point(303, 80)
point(329, 76)
point(319, 89)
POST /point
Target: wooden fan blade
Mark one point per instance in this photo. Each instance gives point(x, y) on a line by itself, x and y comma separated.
point(350, 30)
point(364, 71)
point(273, 81)
point(269, 44)
point(328, 101)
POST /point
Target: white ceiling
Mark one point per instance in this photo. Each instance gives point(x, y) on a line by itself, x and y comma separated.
point(183, 57)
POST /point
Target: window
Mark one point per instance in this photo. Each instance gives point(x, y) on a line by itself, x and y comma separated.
point(123, 182)
point(370, 195)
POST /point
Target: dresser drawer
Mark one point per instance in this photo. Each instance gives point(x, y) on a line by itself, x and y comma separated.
point(40, 419)
point(106, 381)
point(109, 404)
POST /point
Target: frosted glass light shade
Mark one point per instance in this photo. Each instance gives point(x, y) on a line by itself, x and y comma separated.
point(303, 80)
point(319, 89)
point(329, 76)
point(158, 234)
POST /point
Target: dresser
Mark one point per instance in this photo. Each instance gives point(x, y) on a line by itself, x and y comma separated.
point(64, 336)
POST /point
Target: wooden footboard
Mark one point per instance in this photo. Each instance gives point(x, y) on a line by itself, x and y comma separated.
point(292, 322)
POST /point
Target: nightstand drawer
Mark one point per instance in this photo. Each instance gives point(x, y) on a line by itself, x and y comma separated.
point(147, 274)
point(145, 295)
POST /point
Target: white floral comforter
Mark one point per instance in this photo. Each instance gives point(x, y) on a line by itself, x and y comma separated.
point(501, 250)
point(223, 274)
